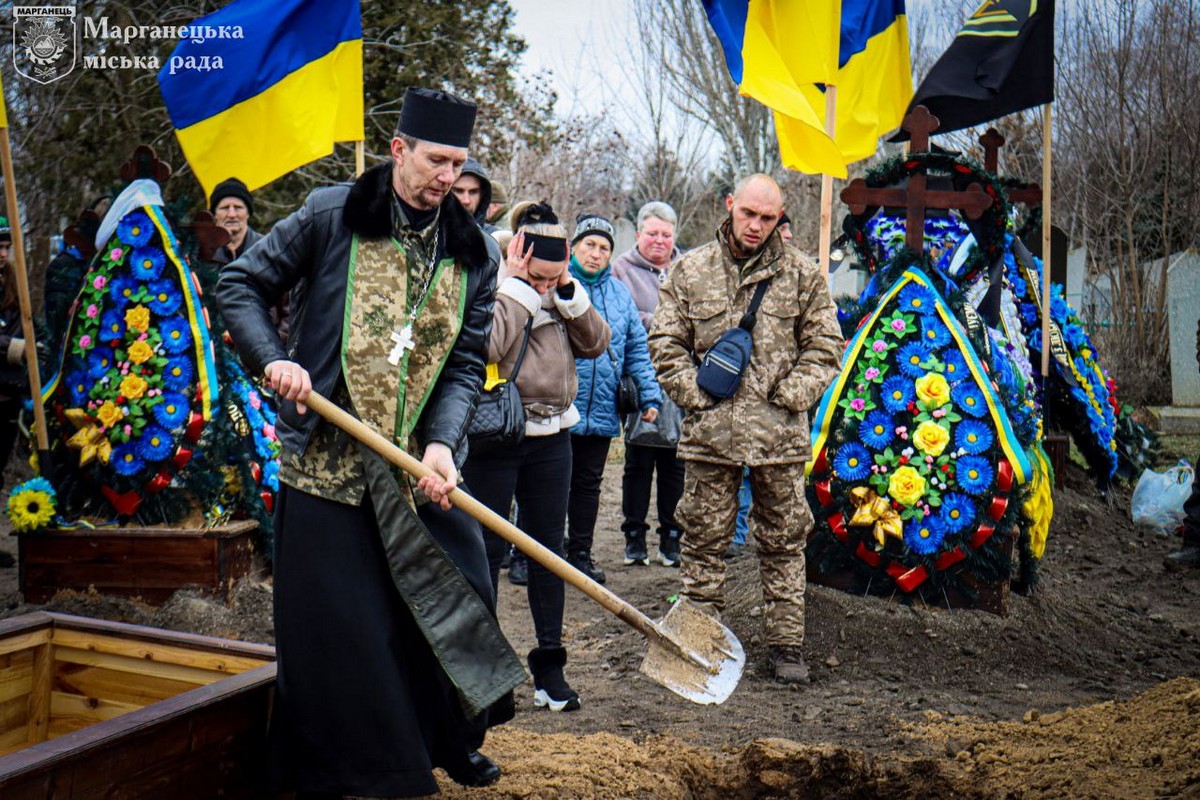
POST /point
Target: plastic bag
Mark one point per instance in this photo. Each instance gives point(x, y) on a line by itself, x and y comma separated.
point(1159, 496)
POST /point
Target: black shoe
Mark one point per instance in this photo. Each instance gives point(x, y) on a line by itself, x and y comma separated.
point(734, 550)
point(668, 548)
point(518, 570)
point(551, 689)
point(635, 550)
point(583, 562)
point(1187, 557)
point(479, 771)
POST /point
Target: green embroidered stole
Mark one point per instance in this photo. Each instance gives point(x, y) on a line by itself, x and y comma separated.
point(390, 397)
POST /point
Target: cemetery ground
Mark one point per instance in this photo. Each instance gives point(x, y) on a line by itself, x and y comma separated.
point(1089, 688)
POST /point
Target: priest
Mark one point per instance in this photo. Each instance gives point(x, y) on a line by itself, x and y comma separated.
point(391, 662)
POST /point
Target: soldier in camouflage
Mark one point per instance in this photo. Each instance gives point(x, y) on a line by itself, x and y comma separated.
point(764, 426)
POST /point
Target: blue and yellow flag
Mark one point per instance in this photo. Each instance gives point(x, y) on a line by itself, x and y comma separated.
point(784, 53)
point(262, 87)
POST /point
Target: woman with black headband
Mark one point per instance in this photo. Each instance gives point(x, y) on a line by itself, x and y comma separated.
point(539, 299)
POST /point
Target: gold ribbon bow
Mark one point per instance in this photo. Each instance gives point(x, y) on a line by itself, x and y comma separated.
point(871, 509)
point(91, 442)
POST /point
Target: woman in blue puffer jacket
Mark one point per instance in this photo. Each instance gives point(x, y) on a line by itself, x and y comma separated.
point(599, 379)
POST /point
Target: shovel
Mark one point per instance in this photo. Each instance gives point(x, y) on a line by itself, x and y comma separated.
point(691, 653)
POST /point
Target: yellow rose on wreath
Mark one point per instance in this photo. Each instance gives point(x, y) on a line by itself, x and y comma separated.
point(138, 318)
point(931, 438)
point(906, 485)
point(109, 414)
point(133, 386)
point(933, 390)
point(140, 352)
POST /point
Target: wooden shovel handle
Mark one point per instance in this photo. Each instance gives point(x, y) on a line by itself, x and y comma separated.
point(493, 521)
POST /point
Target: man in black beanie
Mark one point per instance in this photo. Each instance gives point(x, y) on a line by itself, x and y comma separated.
point(391, 661)
point(232, 207)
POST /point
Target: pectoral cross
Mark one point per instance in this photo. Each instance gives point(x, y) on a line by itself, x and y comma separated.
point(404, 341)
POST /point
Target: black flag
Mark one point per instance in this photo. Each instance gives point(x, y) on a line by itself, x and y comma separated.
point(1001, 62)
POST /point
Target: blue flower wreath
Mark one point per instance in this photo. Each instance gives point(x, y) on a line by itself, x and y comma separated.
point(125, 459)
point(176, 334)
point(955, 366)
point(122, 290)
point(99, 362)
point(135, 229)
point(877, 430)
point(80, 387)
point(146, 263)
point(173, 411)
point(924, 535)
point(112, 325)
point(974, 474)
point(852, 462)
point(933, 333)
point(958, 512)
point(177, 374)
point(897, 392)
point(916, 299)
point(973, 436)
point(164, 297)
point(968, 399)
point(156, 444)
point(910, 358)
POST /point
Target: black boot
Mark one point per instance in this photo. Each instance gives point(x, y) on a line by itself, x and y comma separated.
point(635, 549)
point(551, 689)
point(583, 562)
point(478, 770)
point(668, 547)
point(518, 570)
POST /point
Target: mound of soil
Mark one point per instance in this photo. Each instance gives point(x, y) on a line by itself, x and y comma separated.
point(1062, 698)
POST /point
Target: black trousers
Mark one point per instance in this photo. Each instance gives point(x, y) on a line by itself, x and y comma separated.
point(9, 410)
point(1191, 522)
point(641, 462)
point(537, 472)
point(588, 456)
point(362, 706)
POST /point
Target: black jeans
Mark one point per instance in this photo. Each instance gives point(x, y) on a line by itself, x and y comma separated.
point(537, 473)
point(588, 456)
point(640, 463)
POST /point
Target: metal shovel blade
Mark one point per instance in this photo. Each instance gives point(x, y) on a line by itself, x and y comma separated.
point(703, 639)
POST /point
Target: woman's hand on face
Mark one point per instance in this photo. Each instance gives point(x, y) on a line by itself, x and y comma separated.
point(515, 264)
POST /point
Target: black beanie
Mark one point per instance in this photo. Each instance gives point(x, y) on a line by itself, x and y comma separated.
point(231, 187)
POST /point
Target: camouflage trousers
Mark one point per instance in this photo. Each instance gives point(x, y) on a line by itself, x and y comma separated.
point(781, 523)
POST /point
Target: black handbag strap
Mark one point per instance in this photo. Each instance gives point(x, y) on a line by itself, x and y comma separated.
point(512, 378)
point(750, 318)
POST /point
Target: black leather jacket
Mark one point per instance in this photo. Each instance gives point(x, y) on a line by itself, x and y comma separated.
point(310, 249)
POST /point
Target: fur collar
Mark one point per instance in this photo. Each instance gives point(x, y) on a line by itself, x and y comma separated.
point(368, 212)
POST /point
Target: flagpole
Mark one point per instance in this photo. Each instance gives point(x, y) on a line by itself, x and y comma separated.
point(1046, 122)
point(827, 180)
point(360, 157)
point(21, 276)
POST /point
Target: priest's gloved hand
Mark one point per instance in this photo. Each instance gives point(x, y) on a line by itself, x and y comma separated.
point(439, 458)
point(290, 381)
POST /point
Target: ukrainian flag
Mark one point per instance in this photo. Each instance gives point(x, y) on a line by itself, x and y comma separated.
point(285, 91)
point(784, 53)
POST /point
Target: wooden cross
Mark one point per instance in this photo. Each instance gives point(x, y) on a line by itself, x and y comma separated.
point(144, 163)
point(210, 237)
point(915, 197)
point(992, 141)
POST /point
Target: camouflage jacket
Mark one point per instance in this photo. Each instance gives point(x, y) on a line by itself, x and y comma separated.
point(797, 351)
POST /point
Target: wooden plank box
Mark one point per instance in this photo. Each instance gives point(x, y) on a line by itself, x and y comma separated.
point(92, 709)
point(149, 563)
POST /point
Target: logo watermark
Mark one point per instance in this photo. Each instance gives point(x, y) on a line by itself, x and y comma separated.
point(44, 42)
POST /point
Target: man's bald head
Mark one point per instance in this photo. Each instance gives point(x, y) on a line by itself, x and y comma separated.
point(754, 209)
point(758, 183)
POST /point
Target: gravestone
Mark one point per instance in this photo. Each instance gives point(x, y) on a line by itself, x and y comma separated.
point(1076, 273)
point(1183, 308)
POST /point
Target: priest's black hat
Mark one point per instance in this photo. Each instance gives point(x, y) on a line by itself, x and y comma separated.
point(438, 117)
